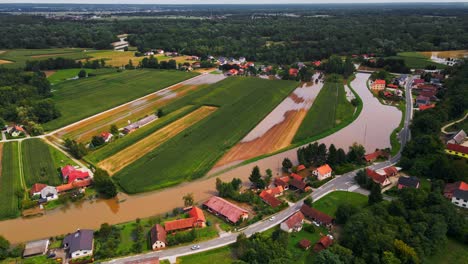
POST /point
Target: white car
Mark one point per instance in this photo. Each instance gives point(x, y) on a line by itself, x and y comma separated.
point(272, 218)
point(195, 247)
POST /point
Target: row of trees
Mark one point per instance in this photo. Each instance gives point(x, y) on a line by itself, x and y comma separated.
point(389, 64)
point(317, 155)
point(153, 63)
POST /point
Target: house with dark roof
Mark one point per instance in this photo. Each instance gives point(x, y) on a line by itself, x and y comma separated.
point(158, 237)
point(293, 223)
point(296, 184)
point(408, 182)
point(229, 211)
point(458, 138)
point(79, 244)
point(457, 150)
point(317, 216)
point(451, 187)
point(324, 243)
point(460, 198)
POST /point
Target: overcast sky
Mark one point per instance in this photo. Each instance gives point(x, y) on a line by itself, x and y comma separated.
point(221, 1)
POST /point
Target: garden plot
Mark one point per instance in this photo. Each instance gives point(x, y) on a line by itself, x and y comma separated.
point(277, 129)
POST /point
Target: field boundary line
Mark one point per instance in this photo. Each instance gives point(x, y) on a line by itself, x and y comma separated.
point(20, 163)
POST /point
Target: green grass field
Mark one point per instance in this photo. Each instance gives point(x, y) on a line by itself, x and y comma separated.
point(9, 181)
point(416, 60)
point(329, 110)
point(63, 75)
point(59, 158)
point(219, 255)
point(38, 164)
point(82, 98)
point(20, 56)
point(128, 140)
point(330, 202)
point(454, 253)
point(192, 153)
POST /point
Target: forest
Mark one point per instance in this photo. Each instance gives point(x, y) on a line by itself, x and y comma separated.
point(265, 38)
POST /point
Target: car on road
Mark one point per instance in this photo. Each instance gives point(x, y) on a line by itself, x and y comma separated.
point(195, 247)
point(272, 218)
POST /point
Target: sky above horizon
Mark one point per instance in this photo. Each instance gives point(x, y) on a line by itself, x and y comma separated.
point(221, 1)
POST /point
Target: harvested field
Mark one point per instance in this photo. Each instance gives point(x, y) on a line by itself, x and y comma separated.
point(18, 57)
point(278, 129)
point(83, 98)
point(117, 58)
point(5, 62)
point(120, 160)
point(446, 54)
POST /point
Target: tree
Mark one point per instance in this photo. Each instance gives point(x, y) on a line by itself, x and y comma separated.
point(340, 156)
point(268, 176)
point(97, 141)
point(78, 150)
point(344, 211)
point(4, 247)
point(159, 113)
point(332, 155)
point(327, 257)
point(114, 129)
point(82, 74)
point(321, 154)
point(104, 184)
point(188, 199)
point(309, 201)
point(287, 164)
point(255, 176)
point(389, 258)
point(405, 253)
point(356, 153)
point(375, 194)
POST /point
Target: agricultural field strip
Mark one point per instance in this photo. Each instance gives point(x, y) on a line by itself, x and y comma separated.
point(9, 180)
point(20, 166)
point(120, 160)
point(117, 145)
point(18, 57)
point(91, 118)
point(38, 165)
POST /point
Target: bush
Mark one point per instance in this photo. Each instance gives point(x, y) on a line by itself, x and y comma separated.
point(309, 228)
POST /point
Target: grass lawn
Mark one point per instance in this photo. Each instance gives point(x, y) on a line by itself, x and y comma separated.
point(9, 180)
point(63, 75)
point(416, 60)
point(31, 260)
point(38, 164)
point(117, 58)
point(330, 202)
point(213, 220)
point(59, 158)
point(141, 133)
point(455, 253)
point(294, 239)
point(219, 255)
point(192, 153)
point(82, 98)
point(329, 110)
point(20, 56)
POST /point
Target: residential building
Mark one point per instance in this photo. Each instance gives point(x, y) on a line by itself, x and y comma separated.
point(450, 188)
point(317, 216)
point(408, 182)
point(293, 223)
point(270, 199)
point(422, 100)
point(35, 248)
point(378, 85)
point(300, 168)
point(293, 72)
point(15, 131)
point(106, 136)
point(460, 198)
point(36, 189)
point(323, 172)
point(371, 157)
point(79, 244)
point(457, 150)
point(297, 177)
point(49, 193)
point(198, 217)
point(158, 237)
point(425, 107)
point(458, 138)
point(71, 174)
point(282, 181)
point(74, 185)
point(324, 243)
point(381, 179)
point(229, 211)
point(296, 184)
point(305, 244)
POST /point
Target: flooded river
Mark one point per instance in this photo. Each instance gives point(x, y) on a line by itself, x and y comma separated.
point(372, 129)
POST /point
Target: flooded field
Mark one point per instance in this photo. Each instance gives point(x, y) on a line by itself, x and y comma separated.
point(372, 129)
point(446, 54)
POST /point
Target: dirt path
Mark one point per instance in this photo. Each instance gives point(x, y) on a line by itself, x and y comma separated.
point(444, 128)
point(1, 155)
point(50, 55)
point(21, 172)
point(130, 154)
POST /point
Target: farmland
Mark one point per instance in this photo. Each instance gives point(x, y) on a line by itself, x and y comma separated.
point(117, 58)
point(329, 110)
point(416, 60)
point(9, 180)
point(62, 75)
point(191, 154)
point(139, 149)
point(38, 164)
point(82, 98)
point(18, 57)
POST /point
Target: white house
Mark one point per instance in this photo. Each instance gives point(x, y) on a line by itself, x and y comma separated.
point(460, 198)
point(79, 244)
point(323, 172)
point(293, 223)
point(49, 193)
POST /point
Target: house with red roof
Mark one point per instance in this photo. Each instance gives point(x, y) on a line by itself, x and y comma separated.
point(282, 181)
point(378, 85)
point(323, 172)
point(78, 184)
point(270, 199)
point(158, 237)
point(198, 217)
point(36, 189)
point(106, 136)
point(371, 157)
point(450, 188)
point(418, 81)
point(381, 179)
point(232, 72)
point(457, 150)
point(425, 107)
point(317, 216)
point(293, 223)
point(297, 177)
point(305, 244)
point(393, 86)
point(300, 168)
point(293, 72)
point(317, 63)
point(296, 184)
point(229, 211)
point(71, 174)
point(323, 243)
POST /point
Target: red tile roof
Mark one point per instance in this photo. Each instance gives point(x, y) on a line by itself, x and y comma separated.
point(283, 181)
point(231, 211)
point(301, 167)
point(37, 187)
point(373, 156)
point(73, 185)
point(375, 176)
point(293, 72)
point(323, 243)
point(298, 184)
point(457, 148)
point(270, 199)
point(297, 177)
point(295, 220)
point(391, 171)
point(275, 191)
point(451, 187)
point(324, 169)
point(304, 243)
point(179, 224)
point(418, 81)
point(391, 85)
point(73, 174)
point(157, 233)
point(315, 214)
point(197, 214)
point(379, 81)
point(425, 107)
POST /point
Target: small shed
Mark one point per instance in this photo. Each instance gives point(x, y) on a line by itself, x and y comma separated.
point(34, 248)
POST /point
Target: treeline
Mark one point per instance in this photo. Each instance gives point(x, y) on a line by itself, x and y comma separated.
point(25, 99)
point(424, 154)
point(62, 63)
point(317, 155)
point(270, 39)
point(390, 65)
point(153, 63)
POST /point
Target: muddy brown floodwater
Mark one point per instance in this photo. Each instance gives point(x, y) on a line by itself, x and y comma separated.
point(372, 129)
